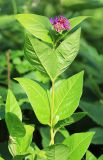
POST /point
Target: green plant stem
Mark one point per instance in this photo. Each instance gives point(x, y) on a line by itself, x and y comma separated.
point(8, 67)
point(52, 115)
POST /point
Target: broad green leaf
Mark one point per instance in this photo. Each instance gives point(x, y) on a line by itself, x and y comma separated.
point(67, 96)
point(40, 55)
point(49, 60)
point(95, 111)
point(57, 152)
point(14, 125)
point(12, 105)
point(98, 137)
point(78, 143)
point(90, 156)
point(68, 121)
point(38, 98)
point(37, 25)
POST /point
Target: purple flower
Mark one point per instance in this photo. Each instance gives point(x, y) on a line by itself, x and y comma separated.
point(60, 23)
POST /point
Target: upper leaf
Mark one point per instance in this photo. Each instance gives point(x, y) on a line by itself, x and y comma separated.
point(12, 105)
point(76, 21)
point(52, 61)
point(78, 144)
point(67, 51)
point(38, 98)
point(67, 95)
point(37, 25)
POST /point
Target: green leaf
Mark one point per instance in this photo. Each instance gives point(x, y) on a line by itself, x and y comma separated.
point(76, 21)
point(14, 125)
point(98, 137)
point(68, 121)
point(67, 96)
point(37, 25)
point(57, 152)
point(49, 60)
point(78, 144)
point(95, 111)
point(38, 98)
point(12, 105)
point(40, 55)
point(67, 51)
point(90, 156)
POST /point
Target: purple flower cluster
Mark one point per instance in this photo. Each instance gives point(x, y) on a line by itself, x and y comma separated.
point(60, 23)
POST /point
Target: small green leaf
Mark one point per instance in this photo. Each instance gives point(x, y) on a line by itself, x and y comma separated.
point(38, 98)
point(12, 105)
point(67, 95)
point(76, 21)
point(90, 156)
point(68, 121)
point(14, 125)
point(78, 144)
point(37, 25)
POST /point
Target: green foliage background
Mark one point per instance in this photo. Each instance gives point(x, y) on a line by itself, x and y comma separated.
point(89, 59)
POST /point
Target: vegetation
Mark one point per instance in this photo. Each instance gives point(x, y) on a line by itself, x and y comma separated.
point(46, 124)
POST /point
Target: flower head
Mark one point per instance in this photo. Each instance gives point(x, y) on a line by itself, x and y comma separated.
point(60, 23)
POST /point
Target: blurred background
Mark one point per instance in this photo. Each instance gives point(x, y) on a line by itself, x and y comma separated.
point(90, 59)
